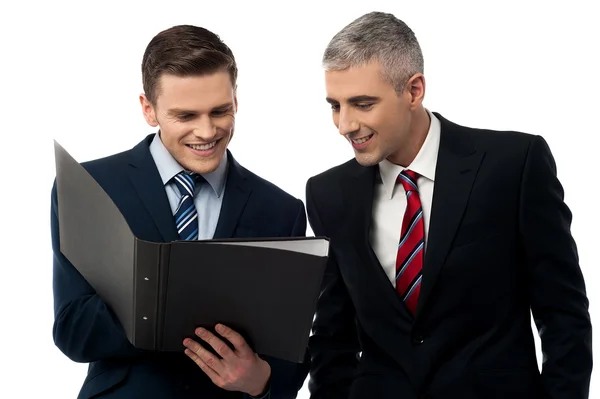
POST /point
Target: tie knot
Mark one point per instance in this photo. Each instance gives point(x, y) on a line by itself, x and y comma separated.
point(408, 179)
point(186, 182)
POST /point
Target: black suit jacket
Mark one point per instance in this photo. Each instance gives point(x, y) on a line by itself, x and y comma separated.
point(86, 330)
point(499, 244)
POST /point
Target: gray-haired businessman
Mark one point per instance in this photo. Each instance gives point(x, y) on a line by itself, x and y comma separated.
point(443, 239)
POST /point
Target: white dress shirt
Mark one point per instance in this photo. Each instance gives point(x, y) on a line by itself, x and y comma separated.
point(389, 203)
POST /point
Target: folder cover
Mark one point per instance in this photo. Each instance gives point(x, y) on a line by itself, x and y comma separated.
point(266, 289)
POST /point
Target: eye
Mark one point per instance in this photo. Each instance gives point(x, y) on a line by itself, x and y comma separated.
point(220, 112)
point(335, 107)
point(364, 106)
point(185, 117)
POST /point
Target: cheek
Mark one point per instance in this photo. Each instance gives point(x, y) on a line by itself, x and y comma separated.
point(172, 135)
point(393, 125)
point(379, 121)
point(225, 124)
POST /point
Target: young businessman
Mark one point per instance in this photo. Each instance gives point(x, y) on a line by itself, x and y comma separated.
point(443, 239)
point(181, 183)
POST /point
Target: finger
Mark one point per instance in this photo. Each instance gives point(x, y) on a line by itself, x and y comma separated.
point(218, 345)
point(212, 374)
point(208, 358)
point(239, 343)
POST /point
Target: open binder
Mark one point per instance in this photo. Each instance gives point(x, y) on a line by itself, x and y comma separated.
point(266, 289)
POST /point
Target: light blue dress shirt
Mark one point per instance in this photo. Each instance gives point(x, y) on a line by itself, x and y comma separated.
point(208, 198)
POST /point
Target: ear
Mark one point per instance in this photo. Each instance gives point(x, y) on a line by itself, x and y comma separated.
point(415, 89)
point(148, 111)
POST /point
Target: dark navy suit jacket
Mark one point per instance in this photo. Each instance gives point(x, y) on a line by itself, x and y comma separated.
point(86, 330)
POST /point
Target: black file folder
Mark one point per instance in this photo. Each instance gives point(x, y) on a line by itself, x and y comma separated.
point(266, 289)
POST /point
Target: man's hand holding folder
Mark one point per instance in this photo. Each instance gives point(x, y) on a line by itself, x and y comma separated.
point(237, 369)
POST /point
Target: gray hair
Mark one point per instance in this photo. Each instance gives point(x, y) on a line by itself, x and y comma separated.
point(377, 36)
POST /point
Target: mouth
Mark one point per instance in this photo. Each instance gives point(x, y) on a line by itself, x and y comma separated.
point(361, 142)
point(362, 139)
point(203, 147)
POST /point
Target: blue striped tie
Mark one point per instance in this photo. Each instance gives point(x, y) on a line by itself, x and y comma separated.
point(186, 216)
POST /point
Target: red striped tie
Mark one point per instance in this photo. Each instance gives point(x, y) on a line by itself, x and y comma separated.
point(409, 260)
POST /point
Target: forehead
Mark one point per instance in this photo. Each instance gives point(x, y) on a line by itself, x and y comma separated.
point(363, 80)
point(194, 92)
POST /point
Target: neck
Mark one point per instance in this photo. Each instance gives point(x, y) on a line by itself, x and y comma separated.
point(419, 126)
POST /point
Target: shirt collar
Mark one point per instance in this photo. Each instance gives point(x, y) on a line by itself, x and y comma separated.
point(424, 163)
point(168, 167)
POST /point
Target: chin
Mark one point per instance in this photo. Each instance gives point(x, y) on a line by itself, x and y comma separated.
point(207, 165)
point(367, 159)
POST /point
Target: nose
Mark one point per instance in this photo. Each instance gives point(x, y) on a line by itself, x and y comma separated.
point(205, 129)
point(346, 122)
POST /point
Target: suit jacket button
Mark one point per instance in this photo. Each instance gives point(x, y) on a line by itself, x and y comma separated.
point(418, 339)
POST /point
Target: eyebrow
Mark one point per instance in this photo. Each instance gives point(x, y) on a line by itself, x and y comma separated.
point(179, 111)
point(355, 99)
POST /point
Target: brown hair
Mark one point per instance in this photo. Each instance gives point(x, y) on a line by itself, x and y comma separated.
point(184, 50)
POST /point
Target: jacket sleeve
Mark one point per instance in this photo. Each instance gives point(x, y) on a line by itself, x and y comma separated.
point(299, 229)
point(556, 285)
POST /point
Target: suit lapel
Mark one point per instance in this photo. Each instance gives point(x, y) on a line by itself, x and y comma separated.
point(146, 179)
point(457, 165)
point(237, 192)
point(360, 189)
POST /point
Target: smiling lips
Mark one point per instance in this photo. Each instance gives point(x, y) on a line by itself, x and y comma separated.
point(362, 142)
point(362, 139)
point(202, 147)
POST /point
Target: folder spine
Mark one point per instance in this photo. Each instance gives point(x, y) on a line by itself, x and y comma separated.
point(145, 294)
point(163, 279)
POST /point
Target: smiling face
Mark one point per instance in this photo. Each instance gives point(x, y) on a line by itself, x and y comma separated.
point(375, 119)
point(196, 117)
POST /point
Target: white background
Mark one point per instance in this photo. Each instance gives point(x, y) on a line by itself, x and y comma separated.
point(71, 72)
